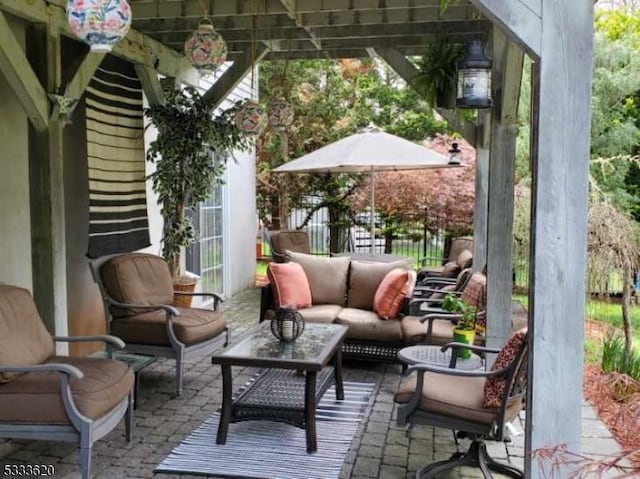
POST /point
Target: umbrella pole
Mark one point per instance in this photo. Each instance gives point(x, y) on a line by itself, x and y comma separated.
point(372, 217)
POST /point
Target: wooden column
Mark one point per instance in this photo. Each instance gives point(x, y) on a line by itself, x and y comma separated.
point(48, 244)
point(559, 228)
point(507, 73)
point(481, 206)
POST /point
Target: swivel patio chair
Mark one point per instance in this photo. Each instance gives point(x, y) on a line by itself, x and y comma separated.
point(291, 240)
point(57, 398)
point(476, 404)
point(460, 257)
point(431, 290)
point(138, 298)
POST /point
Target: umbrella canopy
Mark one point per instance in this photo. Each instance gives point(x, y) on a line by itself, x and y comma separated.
point(368, 150)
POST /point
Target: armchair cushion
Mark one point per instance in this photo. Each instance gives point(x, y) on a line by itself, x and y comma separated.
point(450, 270)
point(465, 259)
point(391, 293)
point(494, 389)
point(450, 395)
point(192, 326)
point(24, 340)
point(364, 279)
point(415, 332)
point(367, 325)
point(36, 397)
point(327, 277)
point(137, 278)
point(290, 285)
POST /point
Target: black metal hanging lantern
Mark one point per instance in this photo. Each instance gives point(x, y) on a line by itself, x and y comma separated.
point(454, 154)
point(287, 325)
point(474, 78)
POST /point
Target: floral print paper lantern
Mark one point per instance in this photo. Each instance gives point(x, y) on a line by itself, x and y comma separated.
point(280, 113)
point(251, 118)
point(205, 48)
point(99, 23)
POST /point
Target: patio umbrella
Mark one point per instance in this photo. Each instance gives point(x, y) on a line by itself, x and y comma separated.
point(368, 150)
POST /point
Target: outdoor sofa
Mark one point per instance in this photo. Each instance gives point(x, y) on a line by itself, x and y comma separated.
point(343, 292)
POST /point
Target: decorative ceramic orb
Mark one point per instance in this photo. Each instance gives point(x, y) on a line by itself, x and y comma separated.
point(99, 23)
point(251, 119)
point(280, 113)
point(287, 325)
point(205, 48)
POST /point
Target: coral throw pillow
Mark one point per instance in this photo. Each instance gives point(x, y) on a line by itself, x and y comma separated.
point(290, 285)
point(494, 386)
point(391, 293)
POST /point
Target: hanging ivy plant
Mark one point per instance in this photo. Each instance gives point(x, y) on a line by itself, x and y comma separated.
point(190, 154)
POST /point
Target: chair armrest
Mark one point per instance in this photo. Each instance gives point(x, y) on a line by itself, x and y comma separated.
point(105, 338)
point(444, 315)
point(471, 347)
point(421, 368)
point(71, 371)
point(437, 280)
point(170, 310)
point(217, 299)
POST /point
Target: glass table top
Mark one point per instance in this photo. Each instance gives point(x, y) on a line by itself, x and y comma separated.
point(260, 343)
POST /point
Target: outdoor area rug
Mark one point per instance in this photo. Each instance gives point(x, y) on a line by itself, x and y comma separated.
point(269, 449)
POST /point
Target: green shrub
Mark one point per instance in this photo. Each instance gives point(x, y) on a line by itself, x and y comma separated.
point(615, 359)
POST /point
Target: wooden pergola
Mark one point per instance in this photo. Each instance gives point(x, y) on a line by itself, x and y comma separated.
point(556, 34)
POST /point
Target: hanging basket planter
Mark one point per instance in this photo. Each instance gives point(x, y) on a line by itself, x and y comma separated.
point(280, 113)
point(251, 119)
point(99, 23)
point(205, 48)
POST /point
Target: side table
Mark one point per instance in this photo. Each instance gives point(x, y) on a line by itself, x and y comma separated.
point(137, 362)
point(434, 355)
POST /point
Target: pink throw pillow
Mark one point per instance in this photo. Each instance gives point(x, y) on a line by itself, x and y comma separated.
point(494, 387)
point(290, 285)
point(391, 293)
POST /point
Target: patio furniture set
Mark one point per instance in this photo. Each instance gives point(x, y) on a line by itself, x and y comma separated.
point(138, 298)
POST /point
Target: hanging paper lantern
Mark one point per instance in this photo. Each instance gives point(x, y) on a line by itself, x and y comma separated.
point(99, 23)
point(205, 48)
point(280, 113)
point(251, 118)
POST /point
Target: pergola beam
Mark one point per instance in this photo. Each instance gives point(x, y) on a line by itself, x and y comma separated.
point(21, 78)
point(407, 71)
point(233, 75)
point(518, 18)
point(135, 48)
point(150, 84)
point(84, 74)
point(294, 15)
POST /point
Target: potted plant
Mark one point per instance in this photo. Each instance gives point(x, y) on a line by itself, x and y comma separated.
point(465, 328)
point(437, 73)
point(190, 154)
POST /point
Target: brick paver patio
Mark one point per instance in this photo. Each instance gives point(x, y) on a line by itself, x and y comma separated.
point(380, 450)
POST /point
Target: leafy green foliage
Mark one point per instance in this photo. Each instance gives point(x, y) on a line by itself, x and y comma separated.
point(190, 154)
point(456, 304)
point(615, 358)
point(437, 69)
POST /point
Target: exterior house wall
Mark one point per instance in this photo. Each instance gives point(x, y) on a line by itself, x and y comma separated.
point(15, 222)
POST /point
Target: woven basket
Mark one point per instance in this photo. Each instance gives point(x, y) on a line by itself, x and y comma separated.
point(182, 300)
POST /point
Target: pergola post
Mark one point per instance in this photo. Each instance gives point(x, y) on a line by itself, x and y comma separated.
point(559, 228)
point(481, 205)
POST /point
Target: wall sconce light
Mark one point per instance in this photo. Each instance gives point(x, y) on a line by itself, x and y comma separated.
point(454, 154)
point(474, 78)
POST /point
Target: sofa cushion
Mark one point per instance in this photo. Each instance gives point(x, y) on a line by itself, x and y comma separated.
point(364, 279)
point(449, 395)
point(391, 293)
point(327, 277)
point(322, 313)
point(137, 278)
point(24, 340)
point(36, 397)
point(192, 326)
point(367, 325)
point(290, 285)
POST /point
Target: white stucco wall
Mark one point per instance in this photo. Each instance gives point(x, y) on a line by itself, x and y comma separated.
point(15, 223)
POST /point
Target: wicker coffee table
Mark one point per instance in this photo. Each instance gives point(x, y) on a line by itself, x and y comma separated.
point(295, 377)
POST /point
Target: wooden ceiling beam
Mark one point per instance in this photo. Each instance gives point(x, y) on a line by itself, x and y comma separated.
point(292, 12)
